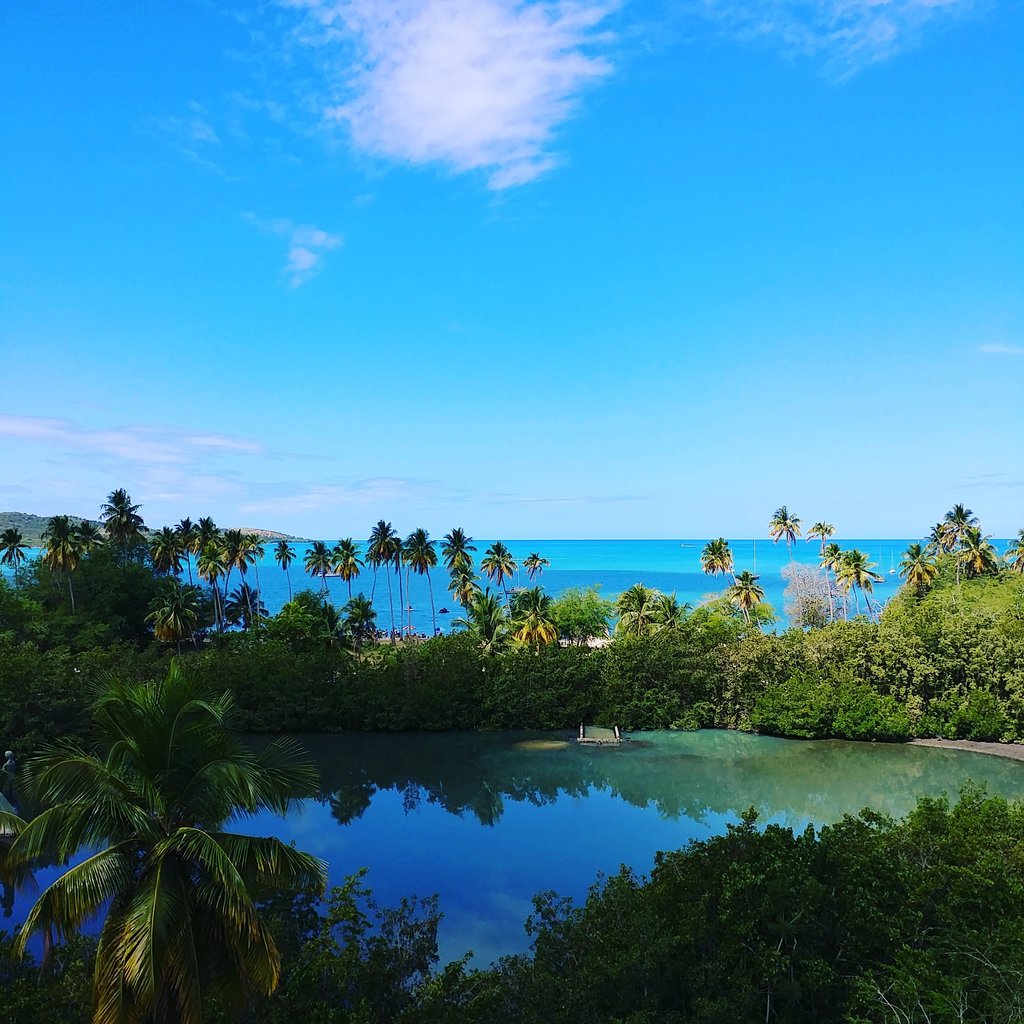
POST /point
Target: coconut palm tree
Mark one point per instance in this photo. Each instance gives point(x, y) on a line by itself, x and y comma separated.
point(856, 572)
point(956, 522)
point(746, 593)
point(457, 550)
point(918, 567)
point(1015, 553)
point(89, 535)
point(256, 546)
point(976, 556)
point(12, 550)
point(347, 562)
point(165, 550)
point(823, 531)
point(319, 561)
point(669, 613)
point(244, 606)
point(211, 566)
point(487, 620)
point(360, 618)
point(498, 565)
point(121, 520)
point(532, 623)
point(61, 550)
point(284, 555)
point(177, 893)
point(188, 534)
point(421, 557)
point(784, 525)
point(238, 554)
point(716, 558)
point(831, 556)
point(463, 586)
point(380, 551)
point(207, 532)
point(637, 609)
point(535, 565)
point(174, 613)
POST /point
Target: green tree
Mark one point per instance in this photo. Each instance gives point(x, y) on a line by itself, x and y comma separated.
point(535, 565)
point(784, 525)
point(1015, 553)
point(823, 531)
point(210, 565)
point(90, 537)
point(532, 619)
point(121, 521)
point(380, 551)
point(918, 567)
point(360, 620)
point(746, 593)
point(498, 565)
point(976, 556)
point(716, 558)
point(284, 555)
point(457, 550)
point(319, 561)
point(421, 557)
point(669, 613)
point(582, 615)
point(174, 614)
point(638, 611)
point(165, 551)
point(61, 550)
point(188, 535)
point(856, 572)
point(486, 620)
point(12, 550)
point(244, 607)
point(463, 585)
point(178, 893)
point(347, 562)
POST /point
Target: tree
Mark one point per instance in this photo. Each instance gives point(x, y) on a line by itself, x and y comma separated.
point(211, 567)
point(12, 550)
point(498, 565)
point(178, 893)
point(486, 620)
point(955, 524)
point(669, 613)
point(463, 585)
point(831, 556)
point(918, 567)
point(784, 525)
point(188, 535)
point(421, 557)
point(207, 533)
point(380, 550)
point(319, 561)
point(121, 520)
point(90, 537)
point(582, 615)
point(360, 619)
point(532, 620)
point(61, 550)
point(165, 550)
point(174, 613)
point(638, 612)
point(746, 593)
point(1015, 553)
point(244, 606)
point(256, 548)
point(823, 531)
point(284, 555)
point(855, 571)
point(457, 550)
point(347, 562)
point(716, 558)
point(977, 556)
point(535, 565)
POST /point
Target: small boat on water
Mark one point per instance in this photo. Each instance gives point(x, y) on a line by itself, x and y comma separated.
point(443, 611)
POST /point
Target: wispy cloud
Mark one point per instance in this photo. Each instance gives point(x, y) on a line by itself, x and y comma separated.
point(464, 84)
point(848, 35)
point(307, 246)
point(1002, 350)
point(294, 496)
point(191, 134)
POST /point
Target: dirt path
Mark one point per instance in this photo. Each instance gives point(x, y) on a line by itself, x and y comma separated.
point(1014, 751)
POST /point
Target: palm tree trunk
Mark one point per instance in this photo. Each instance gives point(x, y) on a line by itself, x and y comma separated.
point(391, 602)
point(71, 594)
point(288, 575)
point(433, 616)
point(401, 600)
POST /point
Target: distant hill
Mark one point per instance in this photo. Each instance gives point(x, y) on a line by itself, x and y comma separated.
point(31, 527)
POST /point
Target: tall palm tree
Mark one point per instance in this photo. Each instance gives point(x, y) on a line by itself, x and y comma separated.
point(12, 550)
point(977, 556)
point(535, 565)
point(319, 562)
point(487, 620)
point(784, 525)
point(746, 593)
point(177, 893)
point(121, 520)
point(211, 566)
point(421, 557)
point(637, 609)
point(188, 534)
point(207, 532)
point(822, 530)
point(89, 535)
point(397, 561)
point(532, 623)
point(238, 554)
point(831, 556)
point(284, 555)
point(165, 550)
point(940, 540)
point(256, 547)
point(717, 558)
point(1015, 553)
point(956, 522)
point(498, 565)
point(918, 567)
point(463, 586)
point(244, 606)
point(457, 550)
point(669, 613)
point(380, 551)
point(347, 562)
point(174, 613)
point(856, 572)
point(61, 550)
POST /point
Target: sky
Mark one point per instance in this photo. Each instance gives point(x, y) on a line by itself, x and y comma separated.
point(560, 269)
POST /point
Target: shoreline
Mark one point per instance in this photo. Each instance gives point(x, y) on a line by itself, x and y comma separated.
point(1012, 751)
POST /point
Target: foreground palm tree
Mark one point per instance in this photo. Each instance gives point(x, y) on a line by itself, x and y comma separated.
point(918, 567)
point(347, 562)
point(12, 550)
point(421, 557)
point(121, 520)
point(486, 620)
point(1015, 553)
point(174, 614)
point(178, 893)
point(784, 525)
point(716, 558)
point(457, 550)
point(532, 623)
point(856, 572)
point(823, 531)
point(61, 550)
point(535, 565)
point(284, 555)
point(498, 565)
point(638, 611)
point(746, 593)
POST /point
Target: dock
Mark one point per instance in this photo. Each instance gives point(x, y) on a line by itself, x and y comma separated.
point(594, 735)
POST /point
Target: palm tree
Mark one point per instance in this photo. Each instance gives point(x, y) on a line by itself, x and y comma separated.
point(918, 567)
point(746, 593)
point(121, 520)
point(716, 558)
point(380, 551)
point(89, 535)
point(956, 522)
point(207, 532)
point(1015, 553)
point(783, 524)
point(165, 550)
point(535, 565)
point(487, 620)
point(178, 893)
point(284, 555)
point(977, 556)
point(255, 545)
point(463, 586)
point(457, 550)
point(498, 565)
point(831, 556)
point(211, 567)
point(61, 550)
point(822, 530)
point(174, 613)
point(319, 562)
point(13, 550)
point(359, 620)
point(347, 562)
point(669, 613)
point(421, 557)
point(244, 606)
point(855, 571)
point(531, 618)
point(637, 609)
point(188, 535)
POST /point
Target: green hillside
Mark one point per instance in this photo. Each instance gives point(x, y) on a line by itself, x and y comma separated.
point(31, 527)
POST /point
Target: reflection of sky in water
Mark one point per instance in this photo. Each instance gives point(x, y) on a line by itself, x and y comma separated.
point(487, 824)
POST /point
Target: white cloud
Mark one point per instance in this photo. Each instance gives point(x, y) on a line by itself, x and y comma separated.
point(1002, 350)
point(847, 34)
point(465, 84)
point(307, 246)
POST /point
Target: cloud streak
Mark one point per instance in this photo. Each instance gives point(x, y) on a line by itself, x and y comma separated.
point(1002, 350)
point(468, 85)
point(307, 246)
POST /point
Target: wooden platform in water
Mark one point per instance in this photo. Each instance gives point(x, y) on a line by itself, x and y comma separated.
point(594, 735)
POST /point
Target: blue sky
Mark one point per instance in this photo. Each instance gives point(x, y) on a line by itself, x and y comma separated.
point(543, 270)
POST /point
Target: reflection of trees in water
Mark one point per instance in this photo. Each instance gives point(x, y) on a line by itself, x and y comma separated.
point(681, 775)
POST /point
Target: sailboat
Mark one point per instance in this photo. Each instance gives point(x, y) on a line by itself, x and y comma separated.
point(892, 567)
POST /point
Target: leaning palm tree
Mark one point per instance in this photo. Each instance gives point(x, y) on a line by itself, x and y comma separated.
point(174, 613)
point(421, 557)
point(831, 556)
point(177, 893)
point(319, 562)
point(535, 565)
point(347, 562)
point(784, 525)
point(486, 620)
point(463, 586)
point(457, 550)
point(284, 555)
point(918, 567)
point(380, 551)
point(746, 593)
point(532, 623)
point(12, 550)
point(823, 531)
point(165, 551)
point(61, 550)
point(498, 565)
point(121, 520)
point(1015, 553)
point(976, 556)
point(211, 567)
point(637, 609)
point(856, 572)
point(716, 558)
